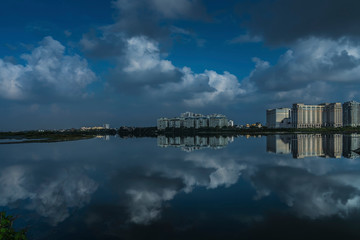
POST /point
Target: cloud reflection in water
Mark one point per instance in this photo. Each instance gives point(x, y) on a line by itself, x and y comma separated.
point(50, 195)
point(141, 184)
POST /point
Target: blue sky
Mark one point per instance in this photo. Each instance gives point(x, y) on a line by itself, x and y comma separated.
point(69, 63)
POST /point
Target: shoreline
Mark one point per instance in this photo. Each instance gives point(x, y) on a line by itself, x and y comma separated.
point(50, 136)
point(139, 132)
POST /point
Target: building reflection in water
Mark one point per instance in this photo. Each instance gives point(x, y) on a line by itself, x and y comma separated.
point(315, 145)
point(279, 144)
point(351, 145)
point(191, 143)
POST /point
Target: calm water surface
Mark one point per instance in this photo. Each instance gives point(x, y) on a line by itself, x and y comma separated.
point(275, 187)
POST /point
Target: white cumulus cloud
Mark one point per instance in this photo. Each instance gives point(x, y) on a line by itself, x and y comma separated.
point(144, 68)
point(143, 54)
point(310, 64)
point(48, 71)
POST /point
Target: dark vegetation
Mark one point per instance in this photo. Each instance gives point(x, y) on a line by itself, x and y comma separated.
point(7, 231)
point(128, 132)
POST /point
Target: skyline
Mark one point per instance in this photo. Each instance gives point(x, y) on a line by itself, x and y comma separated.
point(70, 64)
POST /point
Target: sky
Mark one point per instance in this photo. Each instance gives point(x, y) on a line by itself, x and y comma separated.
point(66, 64)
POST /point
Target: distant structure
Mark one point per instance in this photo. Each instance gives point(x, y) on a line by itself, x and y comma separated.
point(278, 118)
point(351, 114)
point(231, 123)
point(251, 125)
point(91, 128)
point(306, 116)
point(194, 120)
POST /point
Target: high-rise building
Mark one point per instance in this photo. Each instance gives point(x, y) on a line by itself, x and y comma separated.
point(333, 115)
point(278, 118)
point(351, 114)
point(317, 116)
point(307, 116)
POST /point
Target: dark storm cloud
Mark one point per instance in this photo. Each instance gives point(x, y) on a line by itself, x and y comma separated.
point(282, 21)
point(313, 69)
point(102, 43)
point(186, 36)
point(145, 17)
point(140, 82)
point(141, 69)
point(151, 18)
point(309, 71)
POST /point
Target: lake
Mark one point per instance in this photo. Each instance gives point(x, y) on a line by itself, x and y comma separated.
point(248, 187)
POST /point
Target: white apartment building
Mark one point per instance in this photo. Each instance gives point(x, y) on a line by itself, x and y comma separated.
point(218, 121)
point(194, 120)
